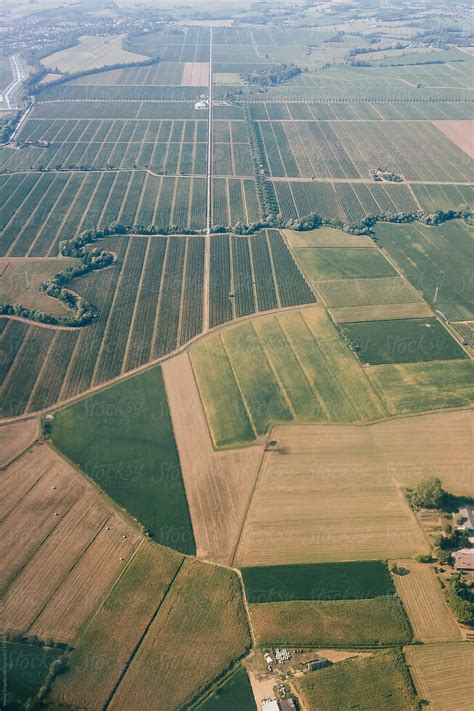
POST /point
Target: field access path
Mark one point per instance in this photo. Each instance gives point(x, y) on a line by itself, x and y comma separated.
point(207, 247)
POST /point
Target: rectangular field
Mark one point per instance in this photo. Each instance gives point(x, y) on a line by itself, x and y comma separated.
point(437, 261)
point(291, 366)
point(323, 581)
point(443, 674)
point(401, 341)
point(341, 503)
point(366, 682)
point(339, 623)
point(420, 591)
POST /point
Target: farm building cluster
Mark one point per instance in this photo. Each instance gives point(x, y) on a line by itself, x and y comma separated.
point(464, 558)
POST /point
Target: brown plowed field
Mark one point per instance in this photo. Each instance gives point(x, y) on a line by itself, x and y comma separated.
point(459, 132)
point(195, 74)
point(218, 484)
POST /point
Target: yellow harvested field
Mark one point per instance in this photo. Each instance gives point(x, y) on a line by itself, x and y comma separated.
point(430, 617)
point(218, 484)
point(200, 628)
point(438, 443)
point(382, 312)
point(443, 674)
point(335, 492)
point(195, 74)
point(15, 439)
point(64, 546)
point(115, 630)
point(459, 132)
point(90, 53)
point(326, 237)
point(328, 494)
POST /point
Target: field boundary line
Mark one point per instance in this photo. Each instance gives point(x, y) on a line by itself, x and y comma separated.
point(251, 497)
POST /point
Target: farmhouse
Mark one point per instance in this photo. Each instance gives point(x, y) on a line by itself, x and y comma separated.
point(464, 559)
point(467, 522)
point(201, 104)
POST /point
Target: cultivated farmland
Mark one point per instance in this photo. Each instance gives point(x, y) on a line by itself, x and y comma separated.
point(429, 615)
point(342, 501)
point(436, 260)
point(282, 367)
point(203, 612)
point(338, 623)
point(71, 539)
point(401, 341)
point(114, 633)
point(16, 439)
point(366, 681)
point(91, 52)
point(218, 485)
point(443, 674)
point(323, 581)
point(96, 434)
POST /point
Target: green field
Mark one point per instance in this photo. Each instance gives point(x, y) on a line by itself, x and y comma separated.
point(331, 623)
point(345, 263)
point(291, 366)
point(401, 341)
point(323, 581)
point(414, 387)
point(122, 439)
point(234, 693)
point(368, 292)
point(437, 261)
point(369, 683)
point(25, 667)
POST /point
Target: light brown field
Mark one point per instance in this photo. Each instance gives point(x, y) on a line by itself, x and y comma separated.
point(91, 52)
point(459, 132)
point(199, 630)
point(326, 237)
point(351, 314)
point(336, 492)
point(195, 74)
point(443, 674)
point(218, 484)
point(430, 617)
point(15, 439)
point(20, 280)
point(64, 546)
point(329, 497)
point(115, 630)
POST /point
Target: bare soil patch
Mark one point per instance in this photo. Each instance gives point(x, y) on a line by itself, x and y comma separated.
point(459, 132)
point(195, 74)
point(218, 484)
